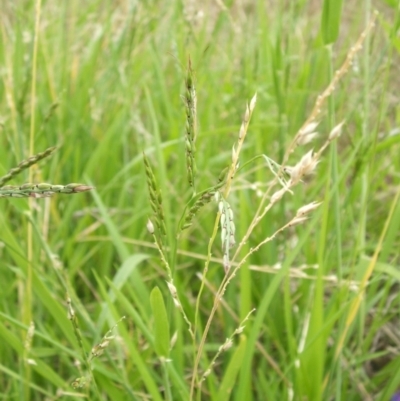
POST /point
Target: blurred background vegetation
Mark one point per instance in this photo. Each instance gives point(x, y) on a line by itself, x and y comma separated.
point(108, 86)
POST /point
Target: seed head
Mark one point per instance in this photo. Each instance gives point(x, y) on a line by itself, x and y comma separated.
point(277, 195)
point(150, 226)
point(228, 344)
point(297, 220)
point(304, 167)
point(174, 294)
point(307, 209)
point(253, 102)
point(307, 134)
point(336, 131)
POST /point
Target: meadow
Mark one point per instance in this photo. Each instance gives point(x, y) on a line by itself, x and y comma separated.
point(199, 200)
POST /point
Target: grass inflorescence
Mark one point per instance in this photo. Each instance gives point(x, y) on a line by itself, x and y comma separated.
point(191, 125)
point(40, 190)
point(259, 243)
point(25, 164)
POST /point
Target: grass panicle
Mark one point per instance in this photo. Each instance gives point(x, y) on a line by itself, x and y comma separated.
point(158, 216)
point(155, 201)
point(304, 167)
point(306, 210)
point(82, 381)
point(25, 164)
point(99, 348)
point(191, 125)
point(196, 203)
point(201, 201)
point(227, 229)
point(41, 190)
point(308, 126)
point(225, 192)
point(226, 346)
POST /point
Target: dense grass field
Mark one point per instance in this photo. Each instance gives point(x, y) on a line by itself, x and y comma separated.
point(241, 239)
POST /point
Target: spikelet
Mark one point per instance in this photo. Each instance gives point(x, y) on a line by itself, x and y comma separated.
point(191, 125)
point(203, 200)
point(200, 200)
point(42, 190)
point(155, 200)
point(99, 348)
point(227, 230)
point(26, 164)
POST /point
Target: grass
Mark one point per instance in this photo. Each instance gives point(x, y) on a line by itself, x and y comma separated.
point(161, 282)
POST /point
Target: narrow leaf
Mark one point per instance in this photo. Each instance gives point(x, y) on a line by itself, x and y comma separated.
point(330, 21)
point(161, 324)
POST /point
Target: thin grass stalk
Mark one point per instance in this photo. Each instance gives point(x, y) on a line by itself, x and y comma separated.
point(355, 304)
point(231, 172)
point(27, 309)
point(167, 385)
point(335, 173)
point(81, 382)
point(8, 82)
point(170, 283)
point(260, 346)
point(365, 132)
point(224, 347)
point(317, 108)
point(306, 165)
point(315, 357)
point(332, 176)
point(260, 213)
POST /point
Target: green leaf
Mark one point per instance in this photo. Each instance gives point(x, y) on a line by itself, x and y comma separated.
point(161, 324)
point(330, 21)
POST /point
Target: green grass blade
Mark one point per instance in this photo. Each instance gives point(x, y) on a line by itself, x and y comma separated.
point(232, 370)
point(330, 20)
point(161, 325)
